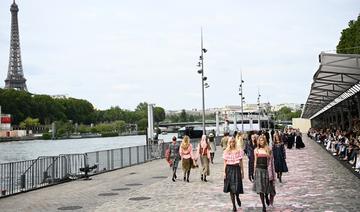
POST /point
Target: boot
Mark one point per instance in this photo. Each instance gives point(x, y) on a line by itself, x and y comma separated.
point(238, 200)
point(267, 199)
point(205, 178)
point(188, 174)
point(175, 175)
point(173, 178)
point(202, 178)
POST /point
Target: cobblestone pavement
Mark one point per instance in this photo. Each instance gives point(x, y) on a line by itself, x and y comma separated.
point(315, 182)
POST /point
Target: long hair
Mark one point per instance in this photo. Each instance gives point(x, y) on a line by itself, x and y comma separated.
point(204, 142)
point(229, 147)
point(277, 137)
point(185, 142)
point(266, 146)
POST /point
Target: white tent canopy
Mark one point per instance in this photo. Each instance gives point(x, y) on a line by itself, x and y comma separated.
point(336, 79)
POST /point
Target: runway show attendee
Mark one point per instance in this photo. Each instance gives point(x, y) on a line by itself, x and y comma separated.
point(279, 154)
point(203, 153)
point(186, 153)
point(233, 172)
point(262, 184)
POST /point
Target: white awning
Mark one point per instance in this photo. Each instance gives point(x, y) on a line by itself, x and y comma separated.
point(337, 79)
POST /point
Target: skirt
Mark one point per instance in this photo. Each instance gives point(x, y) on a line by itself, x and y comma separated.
point(262, 182)
point(205, 165)
point(233, 180)
point(187, 164)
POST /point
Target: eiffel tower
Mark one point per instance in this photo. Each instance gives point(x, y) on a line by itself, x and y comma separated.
point(15, 77)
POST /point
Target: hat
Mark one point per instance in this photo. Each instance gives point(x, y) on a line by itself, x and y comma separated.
point(211, 135)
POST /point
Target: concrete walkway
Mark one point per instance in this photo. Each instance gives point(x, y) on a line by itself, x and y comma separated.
point(315, 182)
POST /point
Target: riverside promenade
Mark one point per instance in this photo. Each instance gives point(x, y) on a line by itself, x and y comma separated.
point(315, 182)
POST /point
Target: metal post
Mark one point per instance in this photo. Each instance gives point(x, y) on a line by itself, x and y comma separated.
point(202, 84)
point(242, 102)
point(150, 122)
point(217, 124)
point(259, 110)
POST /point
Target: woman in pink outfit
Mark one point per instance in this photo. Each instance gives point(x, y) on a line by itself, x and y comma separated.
point(203, 152)
point(233, 172)
point(186, 153)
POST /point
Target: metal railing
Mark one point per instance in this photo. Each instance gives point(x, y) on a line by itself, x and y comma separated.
point(16, 177)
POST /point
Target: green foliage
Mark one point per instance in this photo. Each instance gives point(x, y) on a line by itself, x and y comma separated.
point(285, 114)
point(350, 38)
point(29, 122)
point(142, 124)
point(159, 114)
point(109, 134)
point(66, 112)
point(63, 129)
point(184, 117)
point(46, 136)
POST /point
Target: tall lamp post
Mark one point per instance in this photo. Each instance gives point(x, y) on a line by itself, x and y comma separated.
point(258, 102)
point(203, 79)
point(242, 98)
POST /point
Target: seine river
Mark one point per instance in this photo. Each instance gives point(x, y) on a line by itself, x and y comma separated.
point(27, 150)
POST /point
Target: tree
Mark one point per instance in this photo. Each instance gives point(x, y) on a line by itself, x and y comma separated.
point(142, 124)
point(159, 114)
point(183, 116)
point(350, 38)
point(29, 122)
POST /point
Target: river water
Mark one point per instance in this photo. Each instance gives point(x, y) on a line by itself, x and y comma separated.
point(27, 150)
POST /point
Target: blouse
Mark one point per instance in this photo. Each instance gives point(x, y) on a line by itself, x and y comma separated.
point(233, 157)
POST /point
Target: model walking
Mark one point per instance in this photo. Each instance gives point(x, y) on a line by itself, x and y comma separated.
point(203, 152)
point(262, 184)
point(174, 156)
point(233, 172)
point(212, 147)
point(279, 154)
point(249, 150)
point(186, 153)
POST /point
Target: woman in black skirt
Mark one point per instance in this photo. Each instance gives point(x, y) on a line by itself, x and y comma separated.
point(263, 182)
point(233, 172)
point(279, 157)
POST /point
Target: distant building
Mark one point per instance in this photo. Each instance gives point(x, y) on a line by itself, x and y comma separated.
point(60, 96)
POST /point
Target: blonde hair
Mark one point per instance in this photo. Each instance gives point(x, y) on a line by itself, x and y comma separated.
point(229, 148)
point(185, 142)
point(266, 147)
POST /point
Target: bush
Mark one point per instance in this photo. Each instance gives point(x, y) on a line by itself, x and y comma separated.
point(46, 136)
point(109, 134)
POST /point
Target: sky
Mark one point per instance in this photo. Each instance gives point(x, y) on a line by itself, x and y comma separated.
point(121, 53)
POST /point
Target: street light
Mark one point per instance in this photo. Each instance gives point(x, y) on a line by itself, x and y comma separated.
point(242, 99)
point(258, 101)
point(203, 79)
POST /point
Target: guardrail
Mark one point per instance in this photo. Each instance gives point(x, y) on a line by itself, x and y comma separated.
point(17, 177)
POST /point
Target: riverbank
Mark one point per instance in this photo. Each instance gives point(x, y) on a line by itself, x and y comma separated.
point(31, 149)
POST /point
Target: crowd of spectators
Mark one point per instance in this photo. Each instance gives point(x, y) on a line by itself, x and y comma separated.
point(343, 144)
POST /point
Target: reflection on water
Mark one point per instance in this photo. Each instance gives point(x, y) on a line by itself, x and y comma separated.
point(27, 150)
